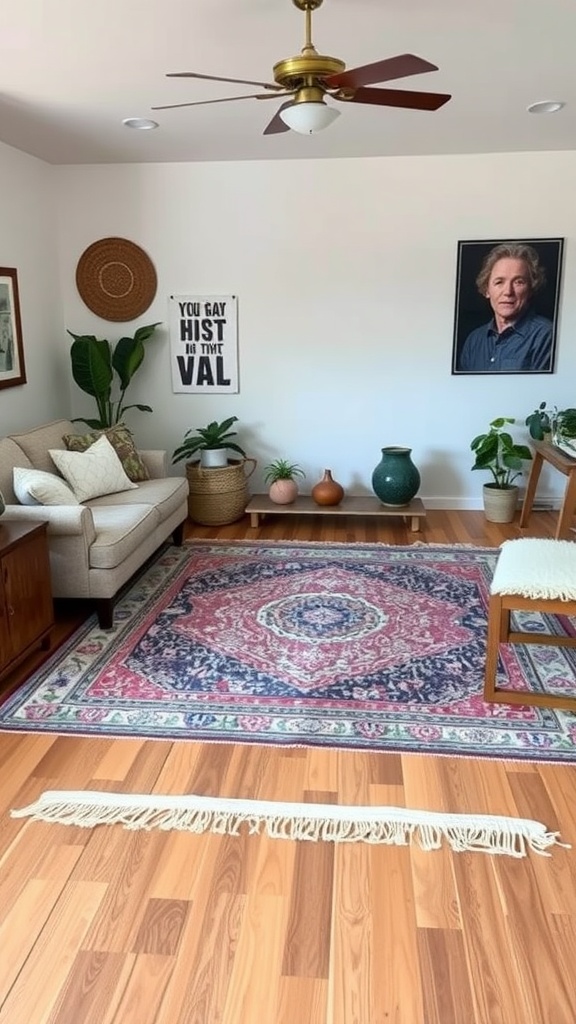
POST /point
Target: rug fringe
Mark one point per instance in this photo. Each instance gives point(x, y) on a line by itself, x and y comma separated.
point(313, 822)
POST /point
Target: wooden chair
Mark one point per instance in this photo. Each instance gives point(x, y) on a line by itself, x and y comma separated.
point(531, 576)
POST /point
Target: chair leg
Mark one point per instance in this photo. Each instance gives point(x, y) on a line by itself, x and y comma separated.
point(496, 629)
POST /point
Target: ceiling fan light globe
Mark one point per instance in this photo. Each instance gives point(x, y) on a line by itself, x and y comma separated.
point(309, 118)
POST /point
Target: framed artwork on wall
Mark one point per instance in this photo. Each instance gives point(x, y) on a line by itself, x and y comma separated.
point(506, 309)
point(12, 369)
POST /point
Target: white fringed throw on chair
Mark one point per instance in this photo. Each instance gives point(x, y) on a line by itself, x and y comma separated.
point(329, 822)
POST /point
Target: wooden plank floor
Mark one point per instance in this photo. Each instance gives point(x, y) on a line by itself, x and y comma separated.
point(105, 926)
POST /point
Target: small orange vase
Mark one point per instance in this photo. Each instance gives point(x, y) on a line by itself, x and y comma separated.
point(327, 491)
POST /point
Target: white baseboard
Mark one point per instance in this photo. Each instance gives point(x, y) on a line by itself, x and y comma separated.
point(544, 504)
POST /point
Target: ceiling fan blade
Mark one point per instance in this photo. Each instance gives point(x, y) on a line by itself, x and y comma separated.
point(403, 66)
point(224, 99)
point(397, 98)
point(277, 125)
point(216, 78)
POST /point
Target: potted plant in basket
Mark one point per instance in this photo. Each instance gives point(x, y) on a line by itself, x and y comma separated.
point(281, 474)
point(497, 452)
point(217, 488)
point(212, 442)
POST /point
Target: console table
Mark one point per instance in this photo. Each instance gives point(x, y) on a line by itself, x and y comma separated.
point(546, 452)
point(369, 505)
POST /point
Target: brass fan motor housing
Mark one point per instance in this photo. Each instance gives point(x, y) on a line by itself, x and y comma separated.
point(296, 71)
point(307, 5)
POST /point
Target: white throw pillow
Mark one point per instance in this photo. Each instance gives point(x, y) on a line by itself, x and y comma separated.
point(93, 472)
point(35, 487)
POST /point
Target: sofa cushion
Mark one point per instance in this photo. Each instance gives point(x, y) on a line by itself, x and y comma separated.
point(93, 472)
point(120, 531)
point(167, 495)
point(35, 487)
point(35, 443)
point(122, 441)
point(11, 455)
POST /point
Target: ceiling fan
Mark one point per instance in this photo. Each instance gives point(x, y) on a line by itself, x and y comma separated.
point(310, 77)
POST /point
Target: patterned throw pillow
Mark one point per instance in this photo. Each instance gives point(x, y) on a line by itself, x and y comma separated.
point(121, 439)
point(92, 473)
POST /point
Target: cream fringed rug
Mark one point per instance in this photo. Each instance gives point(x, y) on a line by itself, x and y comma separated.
point(392, 825)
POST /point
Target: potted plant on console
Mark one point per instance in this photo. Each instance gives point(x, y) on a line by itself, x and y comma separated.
point(497, 452)
point(281, 475)
point(217, 485)
point(555, 425)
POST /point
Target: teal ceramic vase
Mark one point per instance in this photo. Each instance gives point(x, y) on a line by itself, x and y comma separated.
point(396, 479)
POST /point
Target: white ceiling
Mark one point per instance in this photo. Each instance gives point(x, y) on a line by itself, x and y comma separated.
point(71, 70)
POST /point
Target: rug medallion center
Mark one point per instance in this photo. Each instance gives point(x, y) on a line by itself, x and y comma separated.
point(322, 617)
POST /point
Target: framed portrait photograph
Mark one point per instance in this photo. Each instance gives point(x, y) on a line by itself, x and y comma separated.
point(506, 309)
point(12, 369)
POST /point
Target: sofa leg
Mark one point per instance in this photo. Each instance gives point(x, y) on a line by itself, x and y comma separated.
point(105, 612)
point(178, 534)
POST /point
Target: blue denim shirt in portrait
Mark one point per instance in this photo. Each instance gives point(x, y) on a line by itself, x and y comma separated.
point(524, 347)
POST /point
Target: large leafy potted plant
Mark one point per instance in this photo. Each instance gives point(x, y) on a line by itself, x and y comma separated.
point(94, 366)
point(498, 453)
point(212, 443)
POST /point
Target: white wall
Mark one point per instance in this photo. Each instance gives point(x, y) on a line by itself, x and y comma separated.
point(345, 273)
point(28, 242)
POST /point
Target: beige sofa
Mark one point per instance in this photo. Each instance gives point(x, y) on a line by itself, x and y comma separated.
point(96, 546)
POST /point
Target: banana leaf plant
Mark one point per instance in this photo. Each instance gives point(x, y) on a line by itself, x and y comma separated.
point(94, 366)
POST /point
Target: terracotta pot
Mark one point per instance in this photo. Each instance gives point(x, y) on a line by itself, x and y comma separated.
point(283, 492)
point(327, 491)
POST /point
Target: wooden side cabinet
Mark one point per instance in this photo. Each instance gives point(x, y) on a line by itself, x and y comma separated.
point(26, 606)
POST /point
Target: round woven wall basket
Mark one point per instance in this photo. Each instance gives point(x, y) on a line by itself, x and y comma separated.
point(116, 279)
point(219, 495)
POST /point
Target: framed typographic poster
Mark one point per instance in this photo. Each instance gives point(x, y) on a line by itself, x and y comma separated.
point(506, 309)
point(12, 369)
point(204, 343)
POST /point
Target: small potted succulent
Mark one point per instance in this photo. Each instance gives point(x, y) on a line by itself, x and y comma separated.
point(497, 452)
point(211, 442)
point(281, 475)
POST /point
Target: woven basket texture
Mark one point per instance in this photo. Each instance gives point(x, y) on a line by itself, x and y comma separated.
point(216, 496)
point(116, 279)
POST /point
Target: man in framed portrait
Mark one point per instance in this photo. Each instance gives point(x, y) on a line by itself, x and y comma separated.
point(518, 337)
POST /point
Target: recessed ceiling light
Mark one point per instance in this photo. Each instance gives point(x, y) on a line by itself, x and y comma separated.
point(545, 107)
point(142, 123)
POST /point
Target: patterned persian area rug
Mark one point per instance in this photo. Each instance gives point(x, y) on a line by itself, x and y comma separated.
point(358, 646)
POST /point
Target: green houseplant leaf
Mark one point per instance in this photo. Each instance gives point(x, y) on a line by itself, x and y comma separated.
point(497, 452)
point(281, 469)
point(214, 436)
point(94, 365)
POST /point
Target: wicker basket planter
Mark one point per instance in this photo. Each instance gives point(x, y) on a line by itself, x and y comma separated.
point(500, 503)
point(219, 495)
